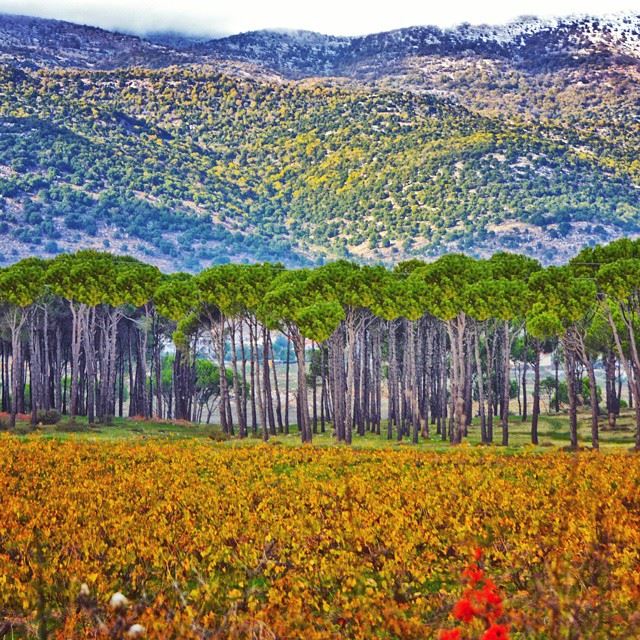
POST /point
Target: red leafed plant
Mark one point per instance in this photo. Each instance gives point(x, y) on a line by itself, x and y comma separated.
point(480, 606)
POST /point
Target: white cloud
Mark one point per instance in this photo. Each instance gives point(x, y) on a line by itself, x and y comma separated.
point(342, 17)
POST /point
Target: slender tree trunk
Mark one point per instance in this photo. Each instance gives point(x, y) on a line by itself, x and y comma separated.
point(610, 386)
point(243, 389)
point(286, 387)
point(480, 384)
point(456, 329)
point(525, 363)
point(535, 414)
point(58, 372)
point(468, 380)
point(303, 403)
point(90, 363)
point(5, 377)
point(570, 375)
point(46, 371)
point(412, 380)
point(556, 362)
point(276, 386)
point(392, 380)
point(78, 313)
point(351, 333)
point(323, 388)
point(218, 338)
point(132, 386)
point(593, 393)
point(314, 395)
point(506, 388)
point(235, 380)
point(121, 382)
point(34, 371)
point(252, 374)
point(259, 397)
point(443, 386)
point(490, 351)
point(268, 396)
point(157, 365)
point(631, 372)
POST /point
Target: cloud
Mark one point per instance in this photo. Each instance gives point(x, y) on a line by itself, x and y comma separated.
point(338, 17)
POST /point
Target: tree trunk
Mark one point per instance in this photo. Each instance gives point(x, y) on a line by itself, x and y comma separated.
point(570, 370)
point(235, 380)
point(217, 337)
point(268, 396)
point(535, 414)
point(525, 364)
point(506, 384)
point(632, 374)
point(556, 362)
point(252, 377)
point(392, 380)
point(90, 363)
point(593, 393)
point(78, 314)
point(276, 385)
point(480, 385)
point(610, 385)
point(456, 329)
point(303, 403)
point(286, 387)
point(255, 355)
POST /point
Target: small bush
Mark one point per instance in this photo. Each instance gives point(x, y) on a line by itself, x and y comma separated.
point(219, 436)
point(22, 429)
point(72, 427)
point(51, 416)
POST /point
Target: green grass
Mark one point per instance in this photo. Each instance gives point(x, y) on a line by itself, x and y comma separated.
point(553, 433)
point(120, 429)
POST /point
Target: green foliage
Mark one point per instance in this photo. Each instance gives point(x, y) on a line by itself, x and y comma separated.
point(234, 289)
point(206, 377)
point(176, 296)
point(50, 416)
point(446, 287)
point(189, 161)
point(561, 299)
point(548, 387)
point(22, 284)
point(92, 278)
point(298, 297)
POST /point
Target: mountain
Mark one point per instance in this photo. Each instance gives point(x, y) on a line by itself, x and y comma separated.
point(529, 42)
point(301, 147)
point(34, 42)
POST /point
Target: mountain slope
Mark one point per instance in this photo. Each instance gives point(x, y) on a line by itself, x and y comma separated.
point(327, 169)
point(299, 147)
point(34, 42)
point(530, 42)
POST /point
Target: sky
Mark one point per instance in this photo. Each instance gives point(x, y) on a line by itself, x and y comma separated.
point(338, 17)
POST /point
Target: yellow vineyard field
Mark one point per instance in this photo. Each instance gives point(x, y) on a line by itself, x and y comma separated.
point(270, 542)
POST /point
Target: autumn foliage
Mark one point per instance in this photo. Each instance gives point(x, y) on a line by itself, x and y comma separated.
point(208, 541)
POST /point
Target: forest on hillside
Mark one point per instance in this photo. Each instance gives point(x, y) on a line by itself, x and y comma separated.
point(411, 352)
point(154, 162)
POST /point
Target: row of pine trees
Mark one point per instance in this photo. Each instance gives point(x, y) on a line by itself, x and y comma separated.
point(411, 352)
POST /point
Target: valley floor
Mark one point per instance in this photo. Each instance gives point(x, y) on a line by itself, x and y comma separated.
point(553, 431)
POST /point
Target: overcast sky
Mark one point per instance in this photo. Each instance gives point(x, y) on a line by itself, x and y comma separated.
point(340, 17)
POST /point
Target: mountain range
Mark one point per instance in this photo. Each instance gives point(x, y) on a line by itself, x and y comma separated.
point(301, 147)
